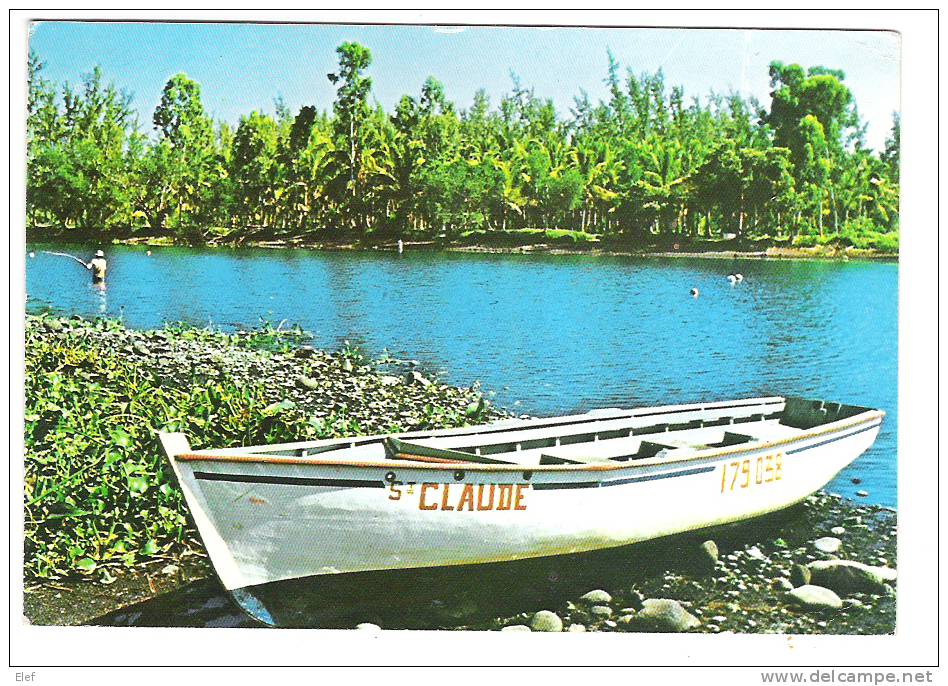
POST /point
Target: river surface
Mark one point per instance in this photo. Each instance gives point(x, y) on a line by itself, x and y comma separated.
point(543, 334)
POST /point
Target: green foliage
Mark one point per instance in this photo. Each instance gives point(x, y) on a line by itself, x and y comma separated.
point(98, 493)
point(97, 490)
point(644, 166)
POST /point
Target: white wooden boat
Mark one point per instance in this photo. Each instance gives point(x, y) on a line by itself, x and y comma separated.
point(507, 491)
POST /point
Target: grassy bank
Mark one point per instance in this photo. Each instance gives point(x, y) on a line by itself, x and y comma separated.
point(99, 499)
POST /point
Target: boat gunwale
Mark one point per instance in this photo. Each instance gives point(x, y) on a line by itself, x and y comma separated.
point(510, 424)
point(706, 454)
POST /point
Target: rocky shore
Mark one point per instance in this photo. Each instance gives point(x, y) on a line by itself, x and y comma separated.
point(96, 391)
point(825, 566)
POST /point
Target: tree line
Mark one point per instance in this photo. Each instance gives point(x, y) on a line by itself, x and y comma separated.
point(642, 163)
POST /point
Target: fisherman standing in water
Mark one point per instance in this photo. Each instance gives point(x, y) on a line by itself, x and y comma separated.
point(97, 266)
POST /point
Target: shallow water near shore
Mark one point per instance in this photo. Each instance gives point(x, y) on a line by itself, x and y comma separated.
point(544, 334)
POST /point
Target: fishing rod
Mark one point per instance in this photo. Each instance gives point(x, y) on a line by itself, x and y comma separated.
point(64, 254)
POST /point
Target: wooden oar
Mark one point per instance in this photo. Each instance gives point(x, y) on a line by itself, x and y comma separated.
point(64, 254)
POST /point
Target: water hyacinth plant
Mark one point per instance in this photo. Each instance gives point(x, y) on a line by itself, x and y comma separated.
point(98, 494)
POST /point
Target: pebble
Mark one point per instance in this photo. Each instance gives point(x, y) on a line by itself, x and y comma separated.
point(576, 628)
point(368, 626)
point(517, 628)
point(862, 494)
point(755, 553)
point(664, 615)
point(707, 557)
point(545, 620)
point(827, 544)
point(811, 597)
point(596, 597)
point(838, 530)
point(415, 377)
point(848, 576)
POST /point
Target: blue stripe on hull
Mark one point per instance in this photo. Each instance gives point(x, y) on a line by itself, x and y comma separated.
point(831, 440)
point(363, 483)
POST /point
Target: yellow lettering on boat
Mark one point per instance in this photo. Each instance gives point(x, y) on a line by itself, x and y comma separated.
point(394, 492)
point(467, 498)
point(480, 497)
point(421, 497)
point(769, 469)
point(444, 498)
point(504, 497)
point(765, 469)
point(746, 472)
point(490, 497)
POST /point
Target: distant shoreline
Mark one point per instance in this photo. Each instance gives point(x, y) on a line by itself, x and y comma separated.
point(769, 253)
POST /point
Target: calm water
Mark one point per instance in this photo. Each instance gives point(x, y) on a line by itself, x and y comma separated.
point(543, 334)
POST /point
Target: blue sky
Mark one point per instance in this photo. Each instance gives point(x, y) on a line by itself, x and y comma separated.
point(242, 67)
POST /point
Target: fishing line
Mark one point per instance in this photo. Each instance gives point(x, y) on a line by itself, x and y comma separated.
point(64, 254)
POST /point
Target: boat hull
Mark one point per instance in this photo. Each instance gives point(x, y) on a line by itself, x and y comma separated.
point(269, 522)
point(474, 595)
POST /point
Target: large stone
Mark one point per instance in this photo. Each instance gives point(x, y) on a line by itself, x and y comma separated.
point(517, 628)
point(544, 620)
point(812, 597)
point(848, 576)
point(596, 597)
point(827, 544)
point(663, 615)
